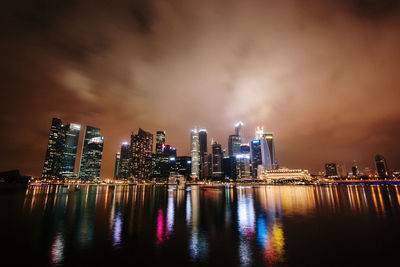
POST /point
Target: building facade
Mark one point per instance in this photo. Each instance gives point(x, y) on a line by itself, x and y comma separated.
point(184, 166)
point(160, 142)
point(72, 132)
point(381, 166)
point(141, 155)
point(204, 162)
point(117, 164)
point(255, 157)
point(331, 170)
point(125, 161)
point(239, 129)
point(234, 143)
point(268, 152)
point(195, 153)
point(216, 162)
point(54, 152)
point(92, 153)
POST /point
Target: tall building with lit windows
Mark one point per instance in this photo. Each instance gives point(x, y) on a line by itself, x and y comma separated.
point(195, 153)
point(124, 162)
point(255, 157)
point(204, 163)
point(216, 162)
point(54, 152)
point(117, 164)
point(92, 154)
point(331, 170)
point(184, 166)
point(234, 143)
point(160, 142)
point(259, 133)
point(381, 166)
point(243, 163)
point(141, 155)
point(72, 131)
point(239, 129)
point(268, 152)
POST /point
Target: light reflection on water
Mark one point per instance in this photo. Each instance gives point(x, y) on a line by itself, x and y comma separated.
point(151, 219)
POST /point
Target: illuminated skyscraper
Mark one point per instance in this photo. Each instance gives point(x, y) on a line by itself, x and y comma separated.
point(184, 166)
point(54, 152)
point(160, 141)
point(381, 166)
point(141, 154)
point(229, 167)
point(203, 153)
point(70, 147)
point(243, 162)
point(268, 152)
point(255, 157)
point(259, 132)
point(125, 159)
point(216, 162)
point(195, 153)
point(331, 170)
point(234, 143)
point(164, 160)
point(239, 129)
point(92, 153)
point(117, 164)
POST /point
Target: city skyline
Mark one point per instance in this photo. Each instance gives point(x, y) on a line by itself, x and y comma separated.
point(323, 77)
point(140, 160)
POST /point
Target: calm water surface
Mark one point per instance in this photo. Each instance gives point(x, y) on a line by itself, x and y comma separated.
point(237, 226)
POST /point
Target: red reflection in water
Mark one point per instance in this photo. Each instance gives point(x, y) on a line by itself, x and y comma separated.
point(160, 227)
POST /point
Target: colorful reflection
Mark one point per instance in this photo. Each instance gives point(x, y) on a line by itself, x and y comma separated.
point(160, 227)
point(170, 214)
point(165, 224)
point(117, 229)
point(194, 221)
point(246, 221)
point(198, 246)
point(57, 250)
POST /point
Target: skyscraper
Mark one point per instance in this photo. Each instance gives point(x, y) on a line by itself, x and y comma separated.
point(259, 133)
point(229, 167)
point(164, 160)
point(141, 154)
point(160, 141)
point(216, 162)
point(331, 170)
point(54, 152)
point(268, 152)
point(70, 147)
point(117, 164)
point(203, 153)
point(381, 166)
point(184, 166)
point(255, 157)
point(125, 159)
point(243, 162)
point(92, 153)
point(234, 143)
point(239, 129)
point(354, 169)
point(195, 153)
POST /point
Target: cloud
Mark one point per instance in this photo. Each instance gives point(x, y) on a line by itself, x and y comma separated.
point(322, 76)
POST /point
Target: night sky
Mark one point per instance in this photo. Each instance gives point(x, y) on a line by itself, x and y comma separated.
point(322, 75)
